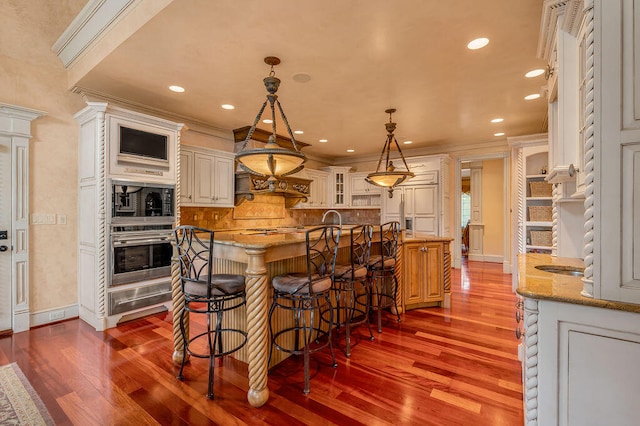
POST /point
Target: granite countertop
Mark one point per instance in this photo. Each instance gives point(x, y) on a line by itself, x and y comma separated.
point(537, 284)
point(269, 237)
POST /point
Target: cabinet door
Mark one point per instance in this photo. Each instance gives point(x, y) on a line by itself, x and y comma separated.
point(204, 166)
point(339, 189)
point(414, 273)
point(425, 209)
point(358, 184)
point(223, 185)
point(186, 177)
point(434, 275)
point(391, 206)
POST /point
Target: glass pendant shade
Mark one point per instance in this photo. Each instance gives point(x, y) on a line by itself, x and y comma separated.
point(387, 176)
point(271, 160)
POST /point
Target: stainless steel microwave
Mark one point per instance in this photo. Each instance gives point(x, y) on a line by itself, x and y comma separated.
point(138, 201)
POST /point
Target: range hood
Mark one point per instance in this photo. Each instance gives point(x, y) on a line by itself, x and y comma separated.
point(293, 189)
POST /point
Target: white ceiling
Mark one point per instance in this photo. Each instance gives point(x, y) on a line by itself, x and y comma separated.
point(363, 56)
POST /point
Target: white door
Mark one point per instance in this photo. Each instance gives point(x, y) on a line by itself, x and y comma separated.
point(5, 227)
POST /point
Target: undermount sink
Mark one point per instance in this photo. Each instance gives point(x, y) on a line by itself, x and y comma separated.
point(560, 269)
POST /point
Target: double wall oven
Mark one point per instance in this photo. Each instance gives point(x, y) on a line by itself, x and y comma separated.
point(141, 222)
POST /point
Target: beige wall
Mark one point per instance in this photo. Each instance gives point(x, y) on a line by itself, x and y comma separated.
point(493, 211)
point(33, 77)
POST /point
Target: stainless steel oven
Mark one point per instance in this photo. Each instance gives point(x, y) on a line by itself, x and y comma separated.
point(140, 255)
point(140, 260)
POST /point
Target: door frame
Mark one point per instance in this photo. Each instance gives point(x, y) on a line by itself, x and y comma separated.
point(15, 123)
point(506, 203)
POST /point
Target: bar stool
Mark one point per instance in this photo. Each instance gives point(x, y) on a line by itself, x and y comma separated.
point(351, 288)
point(303, 295)
point(381, 271)
point(210, 294)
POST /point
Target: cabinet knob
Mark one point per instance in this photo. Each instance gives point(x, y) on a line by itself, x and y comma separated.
point(189, 196)
point(423, 249)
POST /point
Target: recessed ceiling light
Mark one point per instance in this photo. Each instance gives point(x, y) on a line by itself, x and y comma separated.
point(298, 132)
point(323, 140)
point(227, 106)
point(532, 96)
point(302, 77)
point(499, 134)
point(267, 121)
point(497, 120)
point(534, 73)
point(177, 89)
point(351, 150)
point(407, 142)
point(478, 43)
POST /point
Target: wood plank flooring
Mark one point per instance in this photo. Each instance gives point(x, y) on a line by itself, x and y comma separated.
point(438, 366)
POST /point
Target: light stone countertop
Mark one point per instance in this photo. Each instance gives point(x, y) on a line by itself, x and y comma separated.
point(536, 284)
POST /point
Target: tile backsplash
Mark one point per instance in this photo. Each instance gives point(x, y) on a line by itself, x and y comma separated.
point(264, 212)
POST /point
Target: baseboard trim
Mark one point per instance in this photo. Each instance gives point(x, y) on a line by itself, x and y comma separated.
point(486, 258)
point(49, 316)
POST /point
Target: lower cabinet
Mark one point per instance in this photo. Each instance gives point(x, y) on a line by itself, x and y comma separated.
point(580, 364)
point(423, 273)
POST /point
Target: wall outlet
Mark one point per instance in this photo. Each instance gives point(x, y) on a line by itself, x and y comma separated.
point(215, 217)
point(56, 315)
point(50, 219)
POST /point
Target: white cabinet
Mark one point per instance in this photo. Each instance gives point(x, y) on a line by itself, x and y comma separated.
point(421, 205)
point(207, 177)
point(186, 178)
point(420, 209)
point(579, 364)
point(338, 186)
point(318, 188)
point(364, 194)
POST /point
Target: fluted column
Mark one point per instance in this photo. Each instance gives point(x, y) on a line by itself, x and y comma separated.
point(101, 310)
point(257, 327)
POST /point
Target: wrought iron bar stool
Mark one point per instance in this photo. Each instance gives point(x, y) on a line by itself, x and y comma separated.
point(351, 288)
point(382, 272)
point(305, 295)
point(208, 293)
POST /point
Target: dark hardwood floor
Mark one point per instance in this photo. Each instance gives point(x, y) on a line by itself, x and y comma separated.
point(438, 366)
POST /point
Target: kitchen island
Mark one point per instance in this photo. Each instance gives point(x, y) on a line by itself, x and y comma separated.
point(259, 255)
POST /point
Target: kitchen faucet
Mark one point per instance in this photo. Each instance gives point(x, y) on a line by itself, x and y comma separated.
point(324, 216)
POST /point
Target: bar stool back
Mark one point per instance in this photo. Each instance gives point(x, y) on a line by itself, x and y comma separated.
point(351, 288)
point(305, 295)
point(381, 268)
point(210, 294)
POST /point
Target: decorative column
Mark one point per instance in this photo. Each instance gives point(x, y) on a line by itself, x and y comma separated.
point(177, 296)
point(257, 327)
point(530, 390)
point(447, 275)
point(589, 154)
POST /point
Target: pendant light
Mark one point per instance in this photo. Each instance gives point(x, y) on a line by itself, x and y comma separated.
point(389, 177)
point(272, 160)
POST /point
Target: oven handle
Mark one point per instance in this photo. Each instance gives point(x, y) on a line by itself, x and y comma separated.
point(138, 241)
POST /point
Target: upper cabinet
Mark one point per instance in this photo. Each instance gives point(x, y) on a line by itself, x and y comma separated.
point(364, 194)
point(206, 178)
point(339, 186)
point(562, 46)
point(318, 190)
